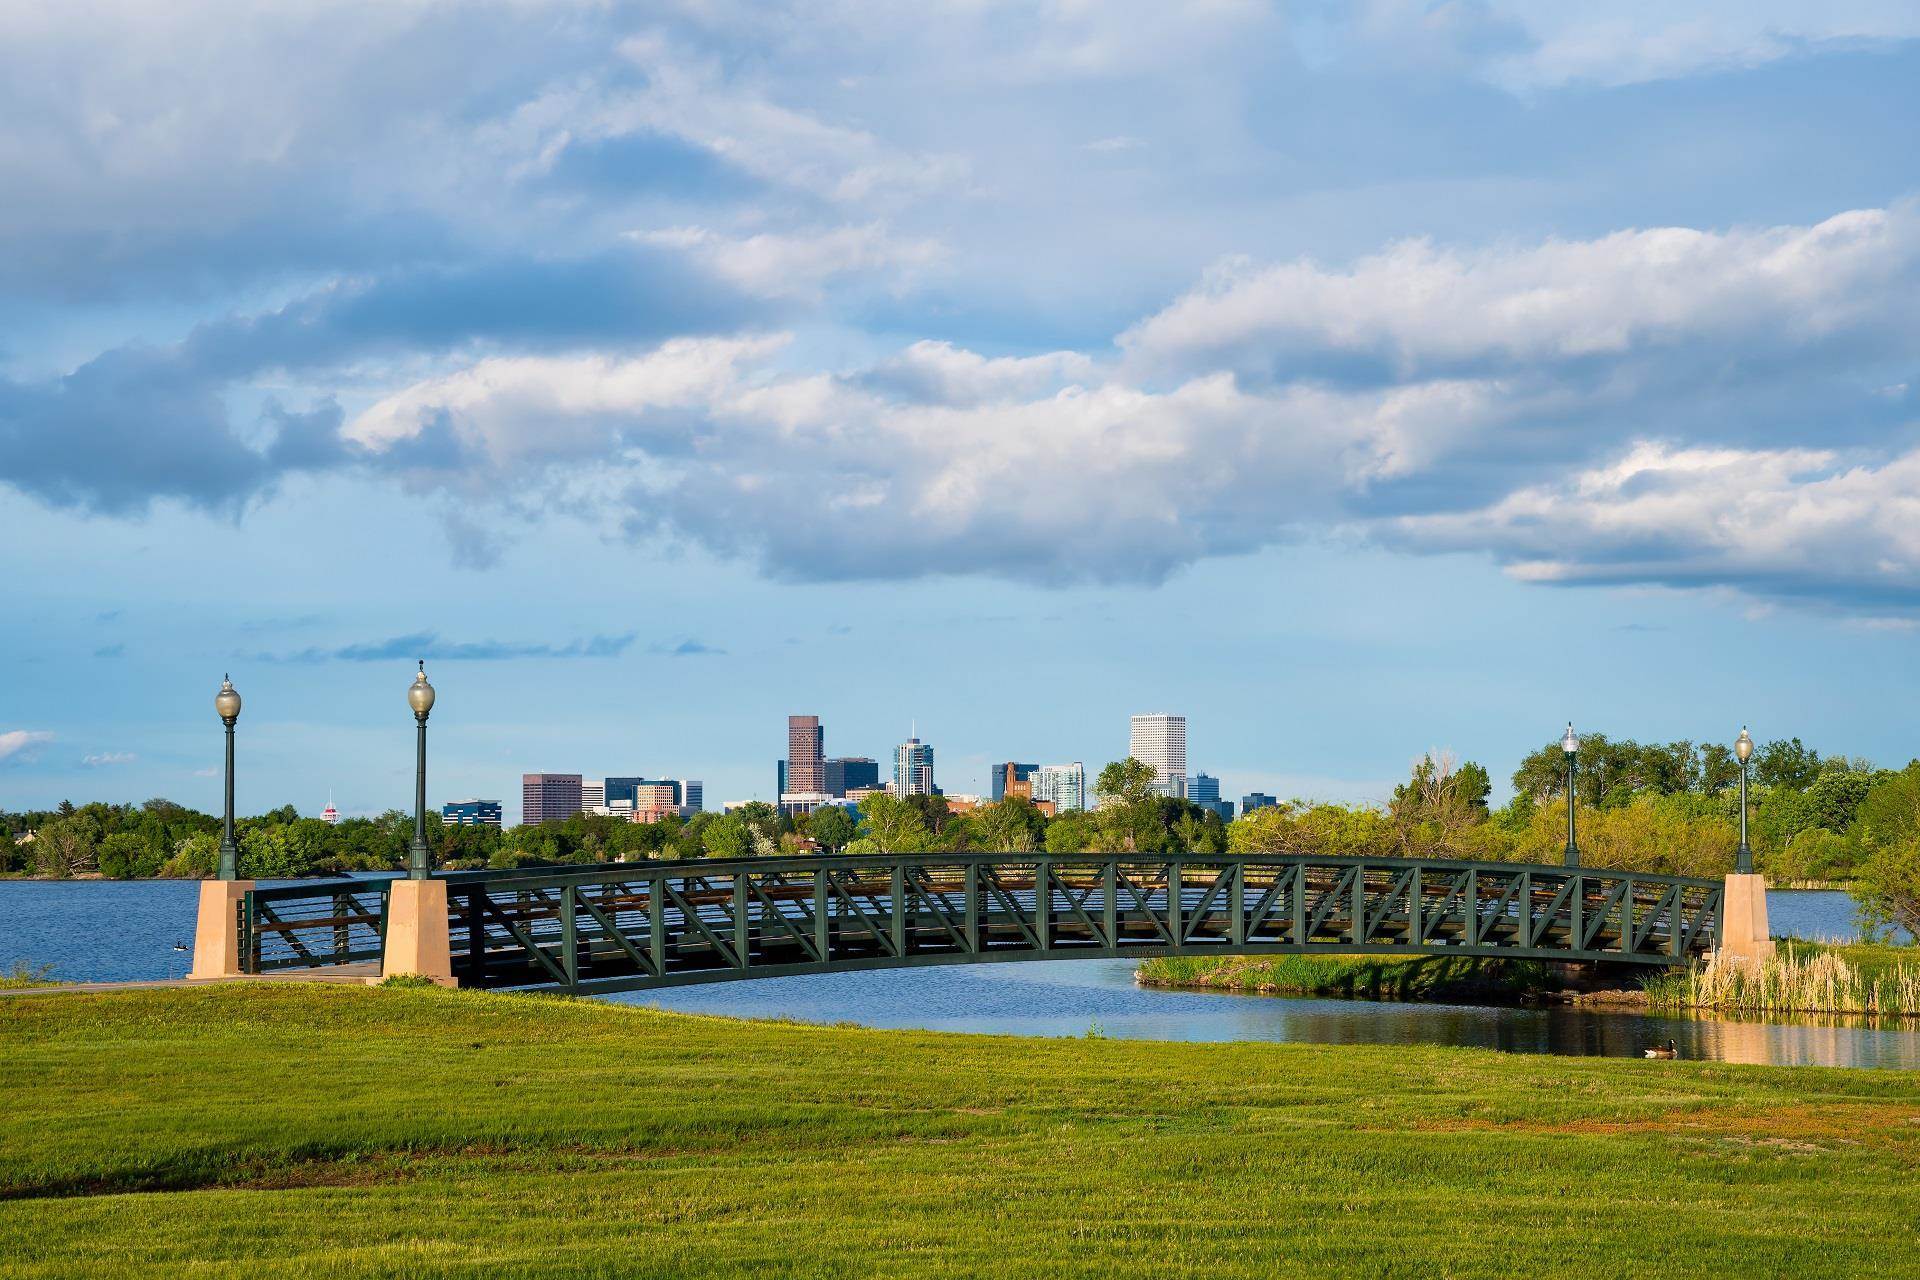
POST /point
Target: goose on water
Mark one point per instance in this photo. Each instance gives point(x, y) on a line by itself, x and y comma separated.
point(1671, 1051)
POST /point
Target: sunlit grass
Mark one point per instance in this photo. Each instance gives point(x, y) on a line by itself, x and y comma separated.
point(336, 1131)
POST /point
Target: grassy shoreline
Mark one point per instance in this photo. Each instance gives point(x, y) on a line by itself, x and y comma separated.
point(1358, 977)
point(1860, 979)
point(309, 1131)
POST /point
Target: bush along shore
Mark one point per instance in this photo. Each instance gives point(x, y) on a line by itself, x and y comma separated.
point(1802, 977)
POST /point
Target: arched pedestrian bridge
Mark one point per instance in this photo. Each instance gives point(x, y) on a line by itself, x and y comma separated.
point(632, 926)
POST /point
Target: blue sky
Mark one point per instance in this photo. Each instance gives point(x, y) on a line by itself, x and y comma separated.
point(1357, 379)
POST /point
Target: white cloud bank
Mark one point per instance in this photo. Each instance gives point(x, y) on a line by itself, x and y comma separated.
point(1505, 406)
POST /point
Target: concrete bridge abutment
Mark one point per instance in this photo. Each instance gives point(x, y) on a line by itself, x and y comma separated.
point(417, 935)
point(1743, 919)
point(216, 930)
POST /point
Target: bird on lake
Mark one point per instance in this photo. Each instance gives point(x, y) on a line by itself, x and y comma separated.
point(1671, 1051)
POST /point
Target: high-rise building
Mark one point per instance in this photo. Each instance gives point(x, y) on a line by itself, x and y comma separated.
point(1011, 779)
point(1204, 790)
point(913, 768)
point(593, 795)
point(548, 797)
point(1064, 786)
point(1161, 741)
point(847, 773)
point(618, 789)
point(693, 796)
point(330, 815)
point(780, 778)
point(654, 797)
point(471, 813)
point(806, 755)
point(1256, 800)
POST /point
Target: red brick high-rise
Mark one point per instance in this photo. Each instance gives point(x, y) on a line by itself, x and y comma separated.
point(806, 755)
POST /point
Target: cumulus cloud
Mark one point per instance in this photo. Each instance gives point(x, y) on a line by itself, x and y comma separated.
point(799, 265)
point(834, 346)
point(1224, 425)
point(16, 744)
point(138, 423)
point(1417, 307)
point(986, 468)
point(1791, 523)
point(941, 373)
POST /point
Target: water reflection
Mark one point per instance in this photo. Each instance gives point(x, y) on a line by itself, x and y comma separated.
point(1080, 997)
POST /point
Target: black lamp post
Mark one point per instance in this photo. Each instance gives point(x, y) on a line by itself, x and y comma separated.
point(1743, 747)
point(420, 698)
point(1571, 745)
point(227, 703)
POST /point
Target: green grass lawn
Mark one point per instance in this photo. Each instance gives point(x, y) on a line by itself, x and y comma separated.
point(287, 1131)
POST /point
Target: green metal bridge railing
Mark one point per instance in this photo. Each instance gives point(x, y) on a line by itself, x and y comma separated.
point(657, 924)
point(312, 926)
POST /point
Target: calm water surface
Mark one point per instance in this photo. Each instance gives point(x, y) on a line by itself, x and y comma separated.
point(113, 930)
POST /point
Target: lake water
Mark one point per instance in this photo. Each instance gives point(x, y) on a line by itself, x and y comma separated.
point(101, 930)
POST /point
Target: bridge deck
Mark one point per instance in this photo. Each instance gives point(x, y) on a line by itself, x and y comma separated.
point(640, 925)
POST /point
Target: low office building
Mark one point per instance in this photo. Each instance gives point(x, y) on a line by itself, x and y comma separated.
point(548, 797)
point(470, 813)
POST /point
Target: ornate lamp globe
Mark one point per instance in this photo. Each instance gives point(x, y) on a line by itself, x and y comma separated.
point(227, 701)
point(1569, 744)
point(420, 693)
point(1743, 747)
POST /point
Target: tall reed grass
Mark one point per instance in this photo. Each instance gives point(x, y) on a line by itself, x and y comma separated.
point(1796, 979)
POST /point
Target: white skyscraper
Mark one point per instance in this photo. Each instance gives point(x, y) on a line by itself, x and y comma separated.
point(593, 795)
point(1064, 784)
point(1161, 741)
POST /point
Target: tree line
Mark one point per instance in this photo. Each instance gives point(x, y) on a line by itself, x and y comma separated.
point(1671, 808)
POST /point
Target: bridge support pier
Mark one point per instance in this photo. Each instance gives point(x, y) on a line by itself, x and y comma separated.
point(417, 931)
point(216, 933)
point(1743, 919)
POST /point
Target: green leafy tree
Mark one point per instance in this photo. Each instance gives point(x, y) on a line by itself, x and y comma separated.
point(1889, 814)
point(889, 824)
point(194, 857)
point(1789, 764)
point(1011, 825)
point(1719, 769)
point(1075, 831)
point(126, 855)
point(67, 846)
point(728, 838)
point(1888, 887)
point(1129, 814)
point(832, 827)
